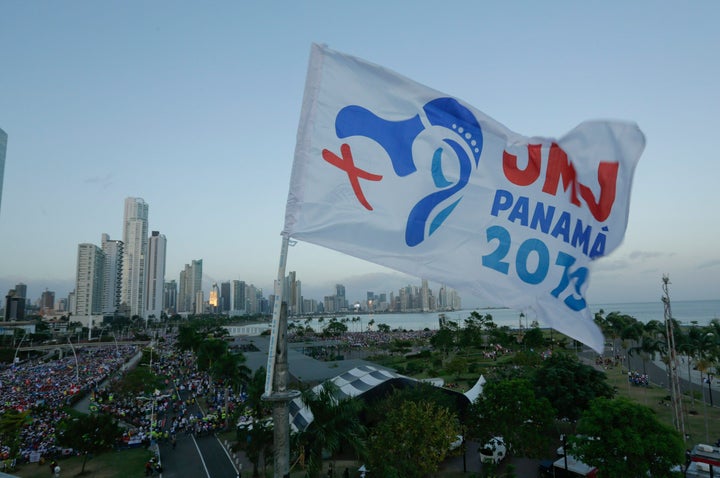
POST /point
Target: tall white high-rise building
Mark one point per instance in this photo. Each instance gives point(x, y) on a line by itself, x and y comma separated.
point(112, 280)
point(3, 148)
point(135, 239)
point(89, 280)
point(155, 275)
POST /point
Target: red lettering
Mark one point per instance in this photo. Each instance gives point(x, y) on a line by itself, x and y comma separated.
point(527, 176)
point(607, 178)
point(559, 167)
point(561, 171)
point(354, 173)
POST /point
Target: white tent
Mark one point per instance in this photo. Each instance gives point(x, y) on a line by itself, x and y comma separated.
point(476, 390)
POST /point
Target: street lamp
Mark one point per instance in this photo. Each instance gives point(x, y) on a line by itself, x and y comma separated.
point(77, 366)
point(18, 348)
point(709, 382)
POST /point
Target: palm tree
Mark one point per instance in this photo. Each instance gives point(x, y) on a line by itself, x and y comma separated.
point(630, 334)
point(334, 420)
point(649, 345)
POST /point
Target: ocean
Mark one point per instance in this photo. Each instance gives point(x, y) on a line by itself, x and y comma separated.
point(686, 312)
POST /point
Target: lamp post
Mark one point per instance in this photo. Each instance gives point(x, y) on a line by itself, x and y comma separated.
point(18, 348)
point(709, 382)
point(77, 366)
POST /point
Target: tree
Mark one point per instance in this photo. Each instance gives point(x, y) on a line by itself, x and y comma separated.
point(443, 340)
point(11, 423)
point(188, 338)
point(90, 435)
point(138, 381)
point(622, 438)
point(334, 420)
point(570, 385)
point(534, 338)
point(256, 440)
point(209, 351)
point(334, 328)
point(510, 409)
point(412, 440)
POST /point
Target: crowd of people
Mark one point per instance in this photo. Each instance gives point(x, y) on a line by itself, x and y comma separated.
point(639, 379)
point(43, 387)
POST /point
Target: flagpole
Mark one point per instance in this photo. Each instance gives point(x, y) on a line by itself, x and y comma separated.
point(276, 314)
point(277, 376)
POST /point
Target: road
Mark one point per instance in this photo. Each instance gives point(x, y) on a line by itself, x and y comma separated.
point(195, 457)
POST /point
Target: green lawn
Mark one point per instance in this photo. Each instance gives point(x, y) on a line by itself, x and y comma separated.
point(696, 425)
point(119, 464)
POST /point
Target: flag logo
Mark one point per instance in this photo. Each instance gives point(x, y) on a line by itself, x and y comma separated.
point(396, 173)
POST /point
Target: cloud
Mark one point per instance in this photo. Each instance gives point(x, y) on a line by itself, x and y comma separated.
point(104, 182)
point(709, 264)
point(646, 255)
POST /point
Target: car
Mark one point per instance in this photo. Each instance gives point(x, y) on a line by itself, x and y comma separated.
point(493, 451)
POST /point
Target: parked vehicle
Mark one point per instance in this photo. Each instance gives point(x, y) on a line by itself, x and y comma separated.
point(493, 451)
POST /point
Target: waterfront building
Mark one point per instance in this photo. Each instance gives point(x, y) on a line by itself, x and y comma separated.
point(190, 284)
point(47, 301)
point(170, 297)
point(21, 290)
point(239, 297)
point(135, 239)
point(112, 279)
point(199, 303)
point(425, 296)
point(214, 300)
point(155, 277)
point(225, 297)
point(14, 306)
point(88, 280)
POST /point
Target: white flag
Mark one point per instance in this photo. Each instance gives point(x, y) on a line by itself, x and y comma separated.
point(399, 174)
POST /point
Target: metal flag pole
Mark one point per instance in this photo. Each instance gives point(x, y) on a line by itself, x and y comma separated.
point(277, 374)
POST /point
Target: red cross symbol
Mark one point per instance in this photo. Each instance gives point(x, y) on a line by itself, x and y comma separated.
point(354, 173)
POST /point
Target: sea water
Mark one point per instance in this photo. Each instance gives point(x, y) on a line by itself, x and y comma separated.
point(699, 312)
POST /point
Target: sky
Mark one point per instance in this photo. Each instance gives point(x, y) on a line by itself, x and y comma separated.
point(194, 107)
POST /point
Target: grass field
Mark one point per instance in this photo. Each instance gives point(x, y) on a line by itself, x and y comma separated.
point(700, 427)
point(119, 464)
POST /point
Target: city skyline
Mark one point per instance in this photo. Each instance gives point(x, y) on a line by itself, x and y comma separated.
point(196, 111)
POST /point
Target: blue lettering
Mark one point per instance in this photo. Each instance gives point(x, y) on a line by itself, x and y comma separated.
point(581, 236)
point(598, 248)
point(503, 200)
point(562, 227)
point(521, 261)
point(520, 211)
point(542, 217)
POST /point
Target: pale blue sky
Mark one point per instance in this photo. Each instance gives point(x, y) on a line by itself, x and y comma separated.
point(194, 107)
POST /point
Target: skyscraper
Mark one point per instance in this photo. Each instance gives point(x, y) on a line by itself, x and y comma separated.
point(112, 279)
point(214, 300)
point(21, 290)
point(3, 147)
point(225, 297)
point(14, 306)
point(155, 275)
point(170, 299)
point(135, 239)
point(89, 280)
point(47, 301)
point(190, 285)
point(239, 298)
